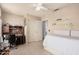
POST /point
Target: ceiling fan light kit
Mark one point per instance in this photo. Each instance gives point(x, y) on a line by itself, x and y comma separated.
point(39, 6)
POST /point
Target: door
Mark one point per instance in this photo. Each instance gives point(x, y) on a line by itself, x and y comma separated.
point(35, 30)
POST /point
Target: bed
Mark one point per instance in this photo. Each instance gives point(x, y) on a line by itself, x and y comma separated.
point(60, 44)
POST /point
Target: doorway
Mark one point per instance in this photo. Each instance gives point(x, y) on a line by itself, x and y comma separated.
point(44, 28)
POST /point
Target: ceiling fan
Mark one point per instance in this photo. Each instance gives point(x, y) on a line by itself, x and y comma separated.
point(39, 6)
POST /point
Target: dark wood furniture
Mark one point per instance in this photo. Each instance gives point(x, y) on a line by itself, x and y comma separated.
point(18, 31)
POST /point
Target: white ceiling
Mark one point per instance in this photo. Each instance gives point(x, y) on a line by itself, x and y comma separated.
point(27, 8)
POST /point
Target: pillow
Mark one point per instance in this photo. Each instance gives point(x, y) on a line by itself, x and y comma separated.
point(61, 32)
point(74, 33)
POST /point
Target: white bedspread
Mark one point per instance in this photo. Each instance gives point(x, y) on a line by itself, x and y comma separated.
point(61, 45)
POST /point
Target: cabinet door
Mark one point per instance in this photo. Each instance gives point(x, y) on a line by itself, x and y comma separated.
point(35, 30)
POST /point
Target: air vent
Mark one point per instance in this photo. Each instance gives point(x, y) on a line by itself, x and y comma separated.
point(56, 9)
point(58, 19)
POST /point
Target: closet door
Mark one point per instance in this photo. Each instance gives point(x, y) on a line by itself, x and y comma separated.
point(35, 31)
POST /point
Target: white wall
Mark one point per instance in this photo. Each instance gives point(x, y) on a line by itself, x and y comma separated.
point(0, 24)
point(12, 19)
point(69, 14)
point(0, 27)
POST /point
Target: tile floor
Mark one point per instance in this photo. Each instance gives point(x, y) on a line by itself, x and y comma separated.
point(33, 48)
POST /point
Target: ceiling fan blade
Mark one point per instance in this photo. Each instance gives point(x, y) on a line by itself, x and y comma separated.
point(44, 8)
point(37, 4)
